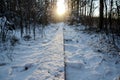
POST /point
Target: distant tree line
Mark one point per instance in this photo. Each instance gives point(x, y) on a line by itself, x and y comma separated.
point(108, 20)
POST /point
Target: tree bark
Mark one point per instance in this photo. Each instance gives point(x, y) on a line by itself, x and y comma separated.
point(101, 9)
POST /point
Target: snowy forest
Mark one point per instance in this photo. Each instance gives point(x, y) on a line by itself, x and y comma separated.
point(59, 39)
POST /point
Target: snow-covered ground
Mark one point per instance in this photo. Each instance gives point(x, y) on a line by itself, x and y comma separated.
point(84, 61)
point(43, 58)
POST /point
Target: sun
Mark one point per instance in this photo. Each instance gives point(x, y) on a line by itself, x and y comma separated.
point(60, 7)
point(60, 10)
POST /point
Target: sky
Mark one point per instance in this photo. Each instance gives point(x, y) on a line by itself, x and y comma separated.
point(60, 4)
point(60, 7)
point(96, 13)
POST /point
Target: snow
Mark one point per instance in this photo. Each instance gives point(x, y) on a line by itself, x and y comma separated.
point(43, 58)
point(83, 62)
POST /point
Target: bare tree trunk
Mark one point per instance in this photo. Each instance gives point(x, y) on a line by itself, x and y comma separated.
point(21, 16)
point(110, 14)
point(106, 17)
point(34, 29)
point(91, 8)
point(78, 8)
point(101, 14)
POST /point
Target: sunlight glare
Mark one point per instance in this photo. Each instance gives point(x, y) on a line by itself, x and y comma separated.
point(60, 7)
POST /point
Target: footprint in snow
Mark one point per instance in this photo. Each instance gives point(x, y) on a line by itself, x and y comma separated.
point(16, 69)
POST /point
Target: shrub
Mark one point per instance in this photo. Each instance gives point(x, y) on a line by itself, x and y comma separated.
point(14, 40)
point(27, 37)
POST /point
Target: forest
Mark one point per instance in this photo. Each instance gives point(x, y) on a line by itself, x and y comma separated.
point(21, 13)
point(59, 38)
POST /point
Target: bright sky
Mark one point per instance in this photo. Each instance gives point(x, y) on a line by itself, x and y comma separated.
point(60, 7)
point(96, 12)
point(62, 1)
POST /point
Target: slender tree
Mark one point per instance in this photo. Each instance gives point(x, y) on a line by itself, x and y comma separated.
point(101, 4)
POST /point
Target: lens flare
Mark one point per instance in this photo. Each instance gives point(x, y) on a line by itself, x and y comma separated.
point(60, 7)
